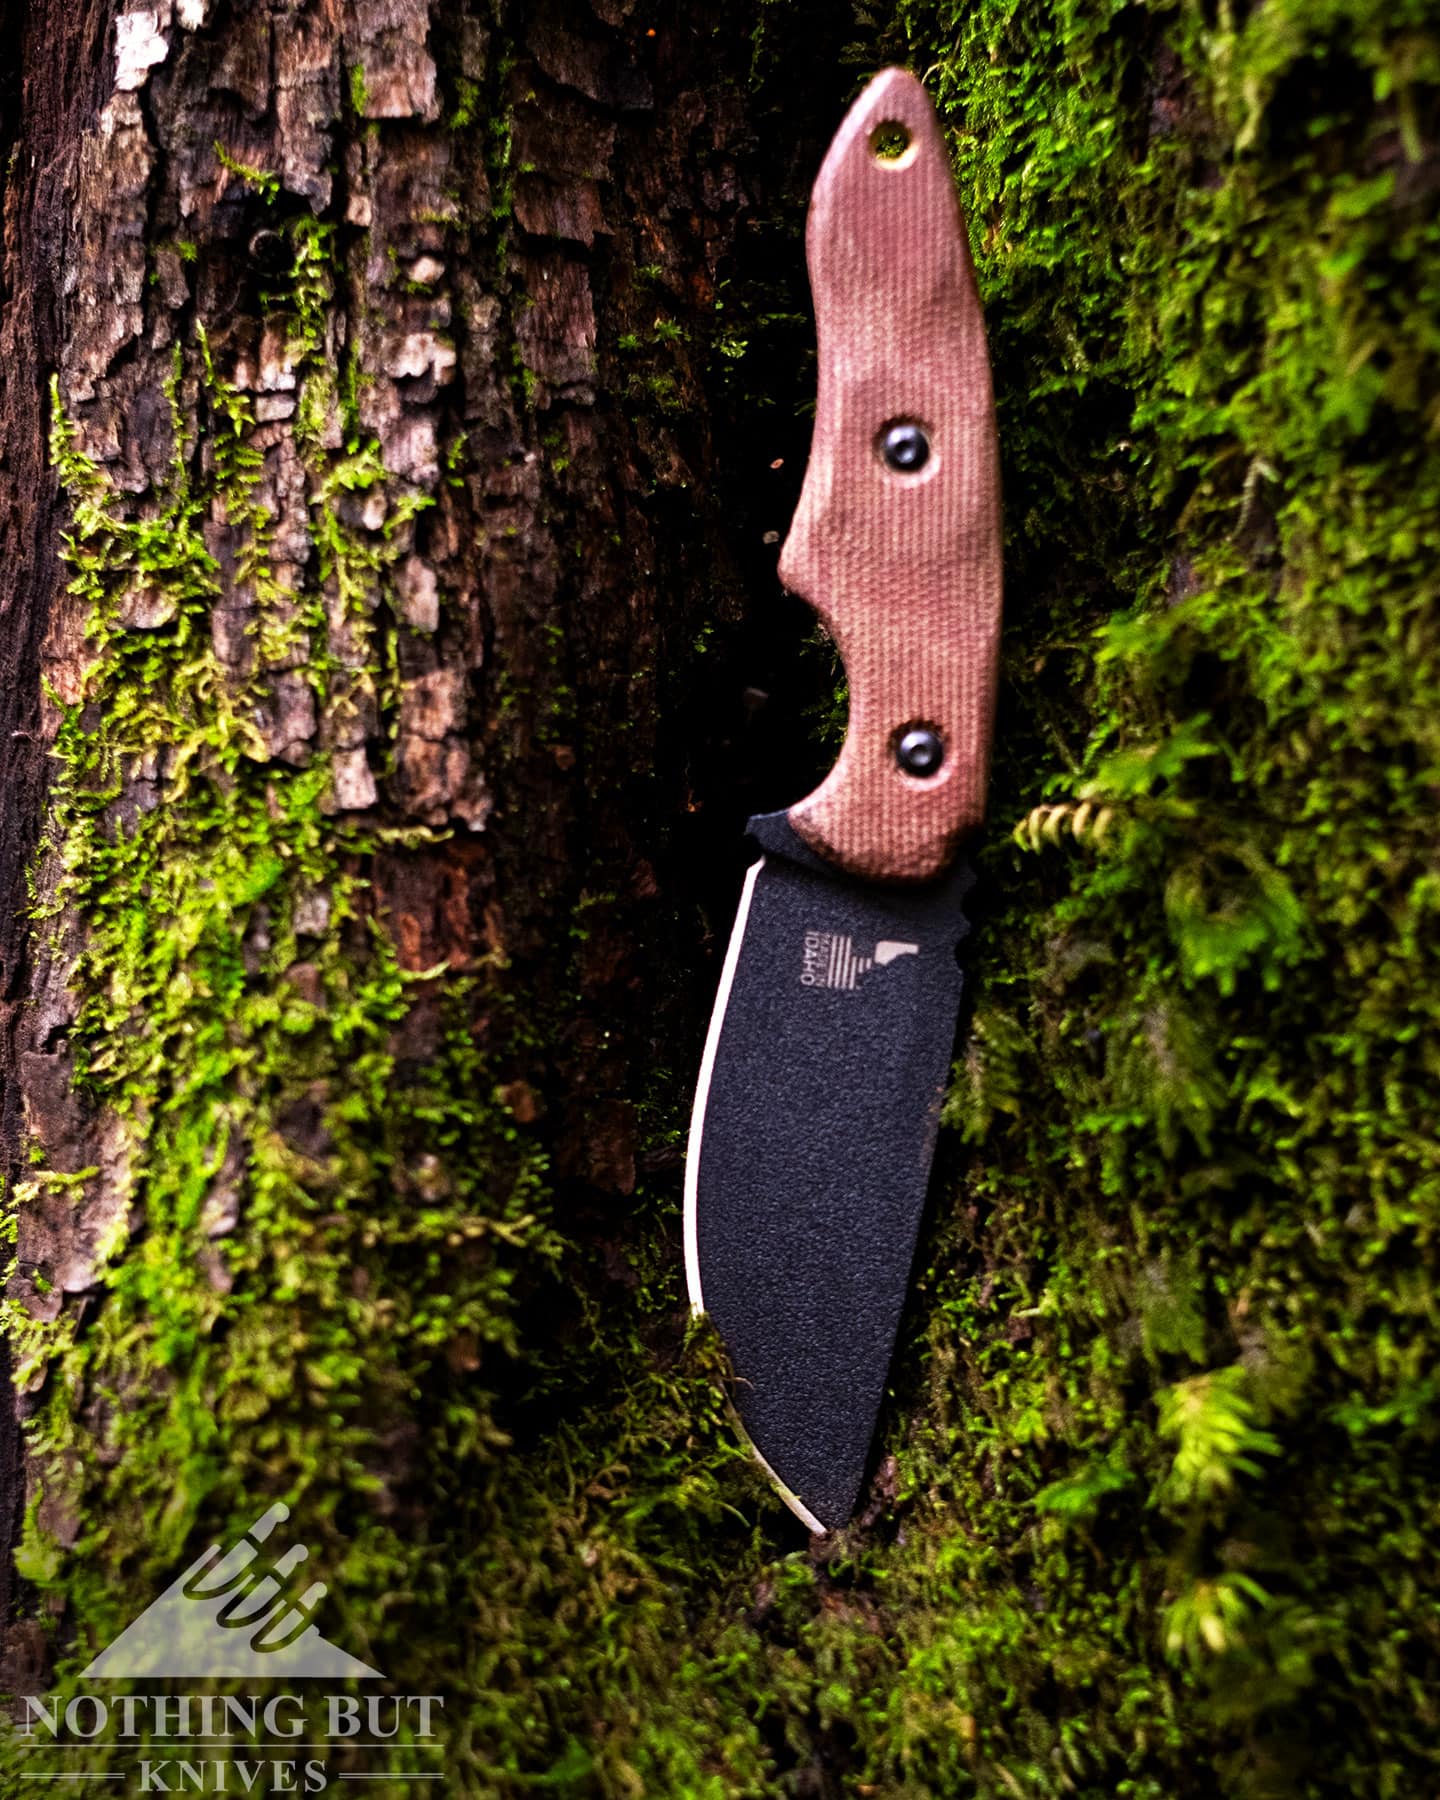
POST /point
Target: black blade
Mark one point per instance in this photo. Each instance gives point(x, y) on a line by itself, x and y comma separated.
point(810, 1150)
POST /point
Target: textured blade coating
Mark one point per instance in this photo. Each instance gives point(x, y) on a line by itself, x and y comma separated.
point(810, 1154)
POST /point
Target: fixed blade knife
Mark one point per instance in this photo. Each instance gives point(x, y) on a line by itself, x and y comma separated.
point(829, 1047)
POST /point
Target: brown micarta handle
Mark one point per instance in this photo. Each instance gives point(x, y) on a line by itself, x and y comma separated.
point(902, 567)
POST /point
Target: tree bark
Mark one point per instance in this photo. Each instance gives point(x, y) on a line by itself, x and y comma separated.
point(383, 416)
point(52, 94)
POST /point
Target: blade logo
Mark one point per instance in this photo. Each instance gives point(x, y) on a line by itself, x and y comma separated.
point(830, 960)
point(229, 1615)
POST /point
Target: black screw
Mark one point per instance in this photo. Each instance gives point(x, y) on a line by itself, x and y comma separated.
point(919, 751)
point(905, 447)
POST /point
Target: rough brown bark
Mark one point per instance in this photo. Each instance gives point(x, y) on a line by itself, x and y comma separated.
point(50, 93)
point(520, 218)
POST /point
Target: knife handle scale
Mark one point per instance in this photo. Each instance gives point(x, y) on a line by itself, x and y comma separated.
point(902, 563)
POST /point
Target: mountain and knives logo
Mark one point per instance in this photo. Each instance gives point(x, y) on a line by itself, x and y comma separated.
point(233, 1613)
point(241, 1617)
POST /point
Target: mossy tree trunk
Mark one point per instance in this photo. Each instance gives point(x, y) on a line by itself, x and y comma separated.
point(388, 603)
point(362, 527)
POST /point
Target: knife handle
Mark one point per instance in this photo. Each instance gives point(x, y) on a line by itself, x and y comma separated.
point(896, 542)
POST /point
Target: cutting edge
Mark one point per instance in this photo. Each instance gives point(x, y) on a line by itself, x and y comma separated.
point(702, 1089)
point(692, 1170)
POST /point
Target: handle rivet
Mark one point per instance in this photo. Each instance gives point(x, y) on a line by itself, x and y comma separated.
point(905, 447)
point(919, 750)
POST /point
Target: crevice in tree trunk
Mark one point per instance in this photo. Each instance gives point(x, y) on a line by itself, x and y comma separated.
point(50, 89)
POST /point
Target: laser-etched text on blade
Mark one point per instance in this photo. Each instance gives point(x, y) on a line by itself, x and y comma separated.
point(815, 1131)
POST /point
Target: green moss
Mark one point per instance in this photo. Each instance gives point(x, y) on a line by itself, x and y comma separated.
point(468, 104)
point(1198, 1195)
point(265, 181)
point(244, 1043)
